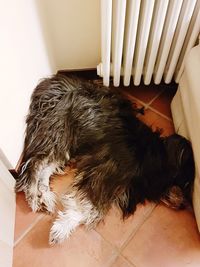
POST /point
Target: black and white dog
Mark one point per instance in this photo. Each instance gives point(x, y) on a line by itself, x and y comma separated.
point(119, 159)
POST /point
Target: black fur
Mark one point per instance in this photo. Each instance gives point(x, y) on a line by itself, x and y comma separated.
point(121, 160)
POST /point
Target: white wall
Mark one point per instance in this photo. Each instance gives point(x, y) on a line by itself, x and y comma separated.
point(38, 37)
point(72, 32)
point(23, 60)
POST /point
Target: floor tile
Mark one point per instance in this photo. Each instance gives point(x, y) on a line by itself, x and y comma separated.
point(83, 249)
point(162, 103)
point(121, 262)
point(117, 231)
point(158, 122)
point(136, 104)
point(167, 239)
point(132, 98)
point(24, 216)
point(60, 183)
point(143, 92)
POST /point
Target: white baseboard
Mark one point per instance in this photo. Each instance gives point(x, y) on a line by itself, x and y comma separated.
point(7, 216)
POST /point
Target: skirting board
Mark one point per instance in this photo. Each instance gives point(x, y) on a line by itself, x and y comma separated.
point(7, 218)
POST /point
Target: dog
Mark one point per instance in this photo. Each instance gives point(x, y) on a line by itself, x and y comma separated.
point(119, 159)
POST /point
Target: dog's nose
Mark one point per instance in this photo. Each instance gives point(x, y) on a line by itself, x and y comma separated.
point(177, 143)
point(180, 159)
point(179, 151)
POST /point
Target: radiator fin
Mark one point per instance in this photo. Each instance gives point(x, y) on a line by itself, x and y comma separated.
point(148, 38)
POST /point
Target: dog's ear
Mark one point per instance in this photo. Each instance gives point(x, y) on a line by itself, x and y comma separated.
point(180, 158)
point(186, 162)
point(185, 155)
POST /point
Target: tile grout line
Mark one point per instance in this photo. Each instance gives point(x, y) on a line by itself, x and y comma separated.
point(155, 110)
point(118, 250)
point(146, 217)
point(155, 97)
point(114, 257)
point(140, 101)
point(133, 234)
point(147, 106)
point(161, 114)
point(151, 101)
point(125, 259)
point(28, 229)
point(132, 264)
point(107, 241)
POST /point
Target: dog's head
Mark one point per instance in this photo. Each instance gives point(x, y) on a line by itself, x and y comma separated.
point(180, 160)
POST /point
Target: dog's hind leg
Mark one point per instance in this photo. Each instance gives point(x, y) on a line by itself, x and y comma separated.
point(77, 210)
point(38, 192)
point(47, 198)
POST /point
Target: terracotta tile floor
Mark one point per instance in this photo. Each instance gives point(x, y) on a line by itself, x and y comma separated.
point(154, 237)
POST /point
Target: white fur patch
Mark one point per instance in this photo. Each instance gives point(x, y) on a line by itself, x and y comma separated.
point(38, 194)
point(65, 225)
point(77, 211)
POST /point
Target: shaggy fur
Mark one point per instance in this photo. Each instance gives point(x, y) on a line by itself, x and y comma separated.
point(119, 159)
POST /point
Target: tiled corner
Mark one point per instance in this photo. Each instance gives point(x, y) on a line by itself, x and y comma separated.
point(168, 238)
point(83, 249)
point(117, 231)
point(136, 102)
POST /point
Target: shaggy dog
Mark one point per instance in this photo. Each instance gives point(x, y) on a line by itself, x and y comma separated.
point(119, 159)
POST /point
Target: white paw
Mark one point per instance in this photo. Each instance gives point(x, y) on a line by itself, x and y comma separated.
point(34, 204)
point(38, 200)
point(48, 200)
point(33, 200)
point(58, 233)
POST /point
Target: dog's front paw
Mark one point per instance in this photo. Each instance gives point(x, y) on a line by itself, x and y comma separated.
point(58, 233)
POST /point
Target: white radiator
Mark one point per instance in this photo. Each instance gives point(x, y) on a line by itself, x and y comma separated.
point(148, 38)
